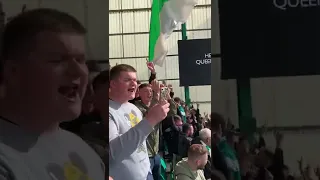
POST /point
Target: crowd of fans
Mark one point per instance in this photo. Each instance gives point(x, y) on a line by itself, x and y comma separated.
point(175, 141)
point(153, 134)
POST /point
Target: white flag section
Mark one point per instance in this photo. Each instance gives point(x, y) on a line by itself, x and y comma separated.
point(166, 15)
point(160, 50)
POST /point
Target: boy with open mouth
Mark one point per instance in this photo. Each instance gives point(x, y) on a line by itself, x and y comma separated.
point(44, 77)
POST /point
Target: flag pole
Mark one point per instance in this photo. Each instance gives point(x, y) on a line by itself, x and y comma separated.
point(186, 88)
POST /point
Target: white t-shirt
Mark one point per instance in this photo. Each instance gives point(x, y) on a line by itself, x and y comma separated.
point(58, 155)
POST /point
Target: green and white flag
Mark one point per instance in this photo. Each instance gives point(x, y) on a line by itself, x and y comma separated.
point(166, 15)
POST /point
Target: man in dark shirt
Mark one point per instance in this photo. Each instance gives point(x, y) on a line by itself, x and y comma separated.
point(185, 139)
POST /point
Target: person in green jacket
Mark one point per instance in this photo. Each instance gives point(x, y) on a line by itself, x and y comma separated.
point(191, 168)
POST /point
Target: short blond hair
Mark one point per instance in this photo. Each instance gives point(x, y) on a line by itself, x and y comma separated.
point(197, 150)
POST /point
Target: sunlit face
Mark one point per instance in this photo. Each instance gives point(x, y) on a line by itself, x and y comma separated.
point(125, 85)
point(145, 94)
point(52, 79)
point(202, 161)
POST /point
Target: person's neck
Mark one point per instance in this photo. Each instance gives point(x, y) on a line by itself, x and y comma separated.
point(209, 145)
point(146, 102)
point(117, 97)
point(192, 166)
point(32, 123)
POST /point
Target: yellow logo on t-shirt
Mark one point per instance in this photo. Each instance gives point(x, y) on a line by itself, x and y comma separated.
point(73, 169)
point(72, 172)
point(134, 120)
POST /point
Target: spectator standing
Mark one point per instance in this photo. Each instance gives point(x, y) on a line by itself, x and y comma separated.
point(149, 95)
point(246, 160)
point(188, 130)
point(88, 113)
point(171, 135)
point(196, 112)
point(185, 139)
point(180, 109)
point(169, 121)
point(89, 126)
point(228, 152)
point(128, 131)
point(45, 84)
point(152, 77)
point(94, 132)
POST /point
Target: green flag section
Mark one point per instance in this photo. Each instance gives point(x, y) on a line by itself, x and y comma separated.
point(166, 15)
point(163, 169)
point(156, 38)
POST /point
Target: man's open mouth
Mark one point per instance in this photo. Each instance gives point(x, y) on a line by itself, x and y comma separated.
point(131, 90)
point(69, 92)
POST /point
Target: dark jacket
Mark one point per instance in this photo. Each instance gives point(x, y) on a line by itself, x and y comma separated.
point(184, 144)
point(171, 136)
